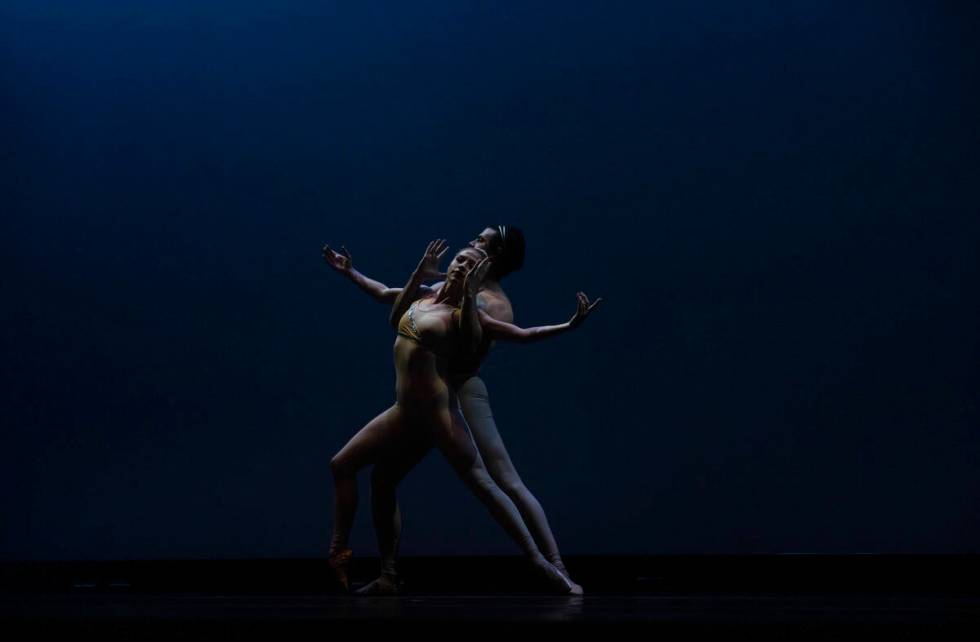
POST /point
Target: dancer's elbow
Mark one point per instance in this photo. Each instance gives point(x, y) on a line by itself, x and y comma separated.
point(386, 295)
point(529, 335)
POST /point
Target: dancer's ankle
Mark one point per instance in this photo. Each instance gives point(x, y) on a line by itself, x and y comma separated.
point(558, 582)
point(390, 570)
point(339, 561)
point(556, 561)
point(558, 564)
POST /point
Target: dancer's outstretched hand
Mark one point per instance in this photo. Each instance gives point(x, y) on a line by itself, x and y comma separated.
point(429, 265)
point(341, 262)
point(584, 309)
point(474, 278)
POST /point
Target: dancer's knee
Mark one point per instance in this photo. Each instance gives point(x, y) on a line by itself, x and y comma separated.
point(512, 485)
point(479, 481)
point(504, 474)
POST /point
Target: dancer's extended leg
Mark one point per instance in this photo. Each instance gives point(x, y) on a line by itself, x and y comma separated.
point(474, 403)
point(452, 439)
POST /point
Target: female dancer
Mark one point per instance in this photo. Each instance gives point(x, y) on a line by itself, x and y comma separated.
point(428, 333)
point(505, 245)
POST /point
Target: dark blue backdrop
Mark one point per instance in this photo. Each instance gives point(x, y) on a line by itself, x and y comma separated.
point(777, 200)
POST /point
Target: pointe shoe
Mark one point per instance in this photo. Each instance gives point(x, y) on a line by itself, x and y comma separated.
point(384, 585)
point(576, 588)
point(339, 561)
point(558, 582)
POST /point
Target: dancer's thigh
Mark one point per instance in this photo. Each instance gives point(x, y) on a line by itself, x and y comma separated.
point(474, 402)
point(453, 440)
point(368, 444)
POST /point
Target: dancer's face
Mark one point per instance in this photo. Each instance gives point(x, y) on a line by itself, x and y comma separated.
point(462, 263)
point(487, 240)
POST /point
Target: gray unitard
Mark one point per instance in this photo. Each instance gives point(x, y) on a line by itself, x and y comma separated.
point(474, 402)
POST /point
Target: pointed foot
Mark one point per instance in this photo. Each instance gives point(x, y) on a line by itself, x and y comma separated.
point(339, 563)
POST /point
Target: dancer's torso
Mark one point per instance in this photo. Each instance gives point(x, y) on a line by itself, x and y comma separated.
point(427, 338)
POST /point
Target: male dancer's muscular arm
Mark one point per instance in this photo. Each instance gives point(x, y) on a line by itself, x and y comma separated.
point(377, 290)
point(496, 329)
point(342, 262)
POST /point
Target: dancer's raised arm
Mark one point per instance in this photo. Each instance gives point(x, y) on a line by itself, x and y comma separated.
point(343, 263)
point(428, 265)
point(502, 331)
point(471, 331)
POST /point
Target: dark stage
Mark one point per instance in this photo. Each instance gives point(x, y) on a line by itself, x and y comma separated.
point(752, 595)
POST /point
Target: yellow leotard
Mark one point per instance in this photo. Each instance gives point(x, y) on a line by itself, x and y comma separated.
point(408, 329)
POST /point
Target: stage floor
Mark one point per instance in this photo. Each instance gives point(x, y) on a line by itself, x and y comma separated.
point(758, 613)
point(768, 596)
